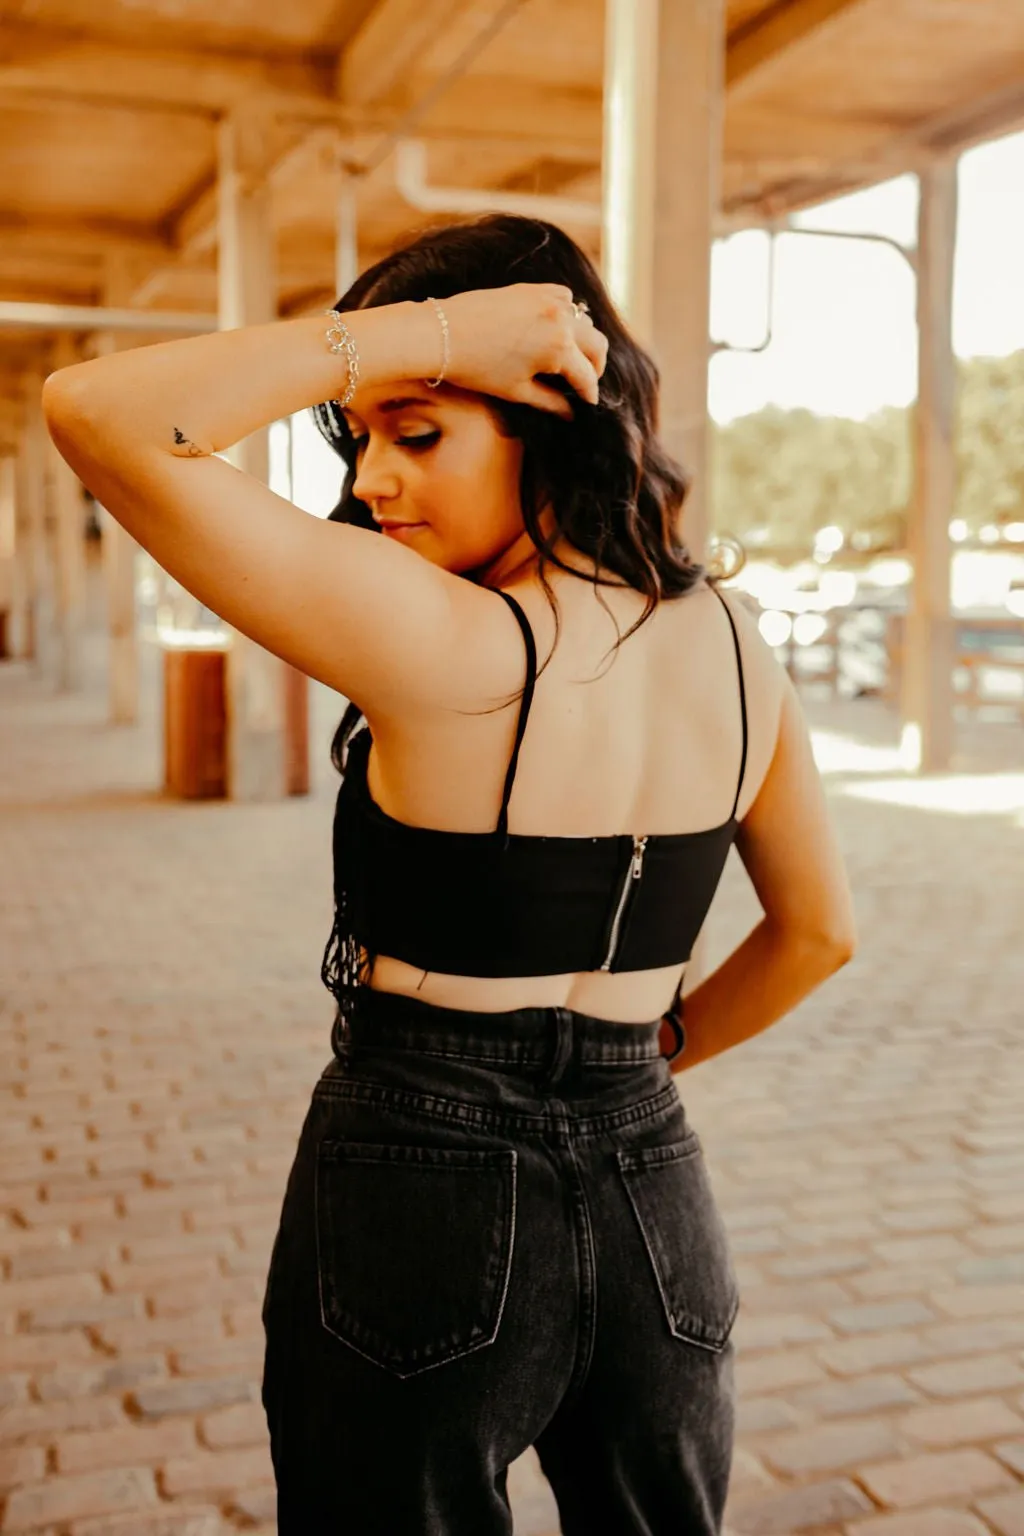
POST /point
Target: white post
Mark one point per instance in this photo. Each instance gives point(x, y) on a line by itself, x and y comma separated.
point(119, 548)
point(68, 514)
point(929, 650)
point(22, 641)
point(247, 291)
point(663, 101)
point(30, 489)
point(346, 236)
point(628, 161)
point(664, 71)
point(11, 583)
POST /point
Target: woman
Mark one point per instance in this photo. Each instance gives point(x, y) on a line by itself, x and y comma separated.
point(498, 1230)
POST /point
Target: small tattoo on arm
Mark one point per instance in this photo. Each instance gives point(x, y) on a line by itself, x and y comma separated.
point(185, 446)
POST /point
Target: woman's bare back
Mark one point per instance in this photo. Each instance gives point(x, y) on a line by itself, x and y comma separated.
point(646, 740)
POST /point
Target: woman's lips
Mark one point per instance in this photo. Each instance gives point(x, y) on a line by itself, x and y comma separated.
point(400, 530)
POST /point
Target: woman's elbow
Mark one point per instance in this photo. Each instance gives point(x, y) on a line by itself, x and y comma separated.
point(844, 947)
point(825, 947)
point(62, 400)
point(838, 941)
point(71, 411)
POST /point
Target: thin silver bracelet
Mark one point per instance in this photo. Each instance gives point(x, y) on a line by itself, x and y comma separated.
point(340, 341)
point(445, 346)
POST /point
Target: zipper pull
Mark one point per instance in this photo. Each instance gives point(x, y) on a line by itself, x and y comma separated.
point(639, 849)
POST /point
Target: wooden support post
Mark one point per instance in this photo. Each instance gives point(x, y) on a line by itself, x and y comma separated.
point(663, 104)
point(68, 520)
point(662, 154)
point(22, 641)
point(37, 566)
point(119, 548)
point(628, 172)
point(256, 751)
point(9, 579)
point(346, 236)
point(929, 650)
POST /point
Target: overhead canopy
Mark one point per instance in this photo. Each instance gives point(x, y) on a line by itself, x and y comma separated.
point(108, 121)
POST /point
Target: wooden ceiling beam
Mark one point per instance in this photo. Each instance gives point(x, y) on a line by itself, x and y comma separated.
point(42, 69)
point(970, 123)
point(385, 49)
point(516, 112)
point(794, 185)
point(192, 229)
point(80, 240)
point(763, 46)
point(571, 122)
point(762, 134)
point(41, 63)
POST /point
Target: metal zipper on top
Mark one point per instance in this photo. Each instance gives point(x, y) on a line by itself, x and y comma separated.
point(634, 872)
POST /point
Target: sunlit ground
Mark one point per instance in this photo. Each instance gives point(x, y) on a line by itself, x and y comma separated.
point(954, 794)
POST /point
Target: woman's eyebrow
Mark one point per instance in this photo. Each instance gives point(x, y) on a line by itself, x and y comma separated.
point(388, 407)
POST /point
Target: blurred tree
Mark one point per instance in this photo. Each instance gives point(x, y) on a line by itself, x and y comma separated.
point(779, 476)
point(991, 441)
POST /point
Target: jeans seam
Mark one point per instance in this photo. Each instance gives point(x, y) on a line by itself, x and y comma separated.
point(588, 1310)
point(448, 1111)
point(505, 1058)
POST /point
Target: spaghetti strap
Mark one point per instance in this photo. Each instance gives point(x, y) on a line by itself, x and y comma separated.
point(743, 698)
point(524, 709)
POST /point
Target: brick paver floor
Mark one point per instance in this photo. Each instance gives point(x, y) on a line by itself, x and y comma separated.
point(161, 1026)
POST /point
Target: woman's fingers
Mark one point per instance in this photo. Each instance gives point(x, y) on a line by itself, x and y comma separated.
point(502, 339)
point(592, 343)
point(578, 370)
point(543, 398)
point(584, 355)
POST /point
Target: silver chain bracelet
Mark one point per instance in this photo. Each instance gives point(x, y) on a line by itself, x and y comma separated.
point(445, 346)
point(341, 341)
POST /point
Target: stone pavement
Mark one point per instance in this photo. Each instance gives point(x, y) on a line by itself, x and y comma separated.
point(161, 1026)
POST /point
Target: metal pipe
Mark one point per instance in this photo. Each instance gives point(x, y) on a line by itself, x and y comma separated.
point(411, 182)
point(786, 227)
point(909, 253)
point(769, 323)
point(94, 317)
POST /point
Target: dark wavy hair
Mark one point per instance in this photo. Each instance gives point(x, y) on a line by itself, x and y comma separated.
point(616, 495)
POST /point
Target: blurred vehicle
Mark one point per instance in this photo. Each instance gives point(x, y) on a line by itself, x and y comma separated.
point(843, 629)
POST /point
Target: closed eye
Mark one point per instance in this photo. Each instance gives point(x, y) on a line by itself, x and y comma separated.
point(416, 442)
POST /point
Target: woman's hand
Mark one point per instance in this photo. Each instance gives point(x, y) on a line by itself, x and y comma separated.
point(500, 339)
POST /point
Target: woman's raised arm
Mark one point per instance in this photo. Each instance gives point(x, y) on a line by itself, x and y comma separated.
point(364, 615)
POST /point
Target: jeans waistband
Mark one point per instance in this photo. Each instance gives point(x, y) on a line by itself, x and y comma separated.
point(519, 1037)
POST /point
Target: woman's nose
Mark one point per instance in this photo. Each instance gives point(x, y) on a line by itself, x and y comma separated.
point(375, 479)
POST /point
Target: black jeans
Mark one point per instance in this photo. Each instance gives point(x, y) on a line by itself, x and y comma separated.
point(498, 1232)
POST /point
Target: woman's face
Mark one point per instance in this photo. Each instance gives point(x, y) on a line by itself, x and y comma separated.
point(437, 473)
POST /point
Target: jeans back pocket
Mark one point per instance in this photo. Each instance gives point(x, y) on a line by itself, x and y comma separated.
point(414, 1249)
point(685, 1238)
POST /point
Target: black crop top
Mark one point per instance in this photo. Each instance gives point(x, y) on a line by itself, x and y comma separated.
point(511, 904)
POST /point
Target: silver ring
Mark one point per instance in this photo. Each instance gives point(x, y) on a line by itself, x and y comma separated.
point(580, 309)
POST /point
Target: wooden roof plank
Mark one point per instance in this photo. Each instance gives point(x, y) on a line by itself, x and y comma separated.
point(384, 50)
point(766, 42)
point(36, 61)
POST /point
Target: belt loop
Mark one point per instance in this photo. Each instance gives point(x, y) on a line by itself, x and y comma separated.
point(562, 1019)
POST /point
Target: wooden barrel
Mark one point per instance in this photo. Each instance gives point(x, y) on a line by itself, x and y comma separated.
point(195, 722)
